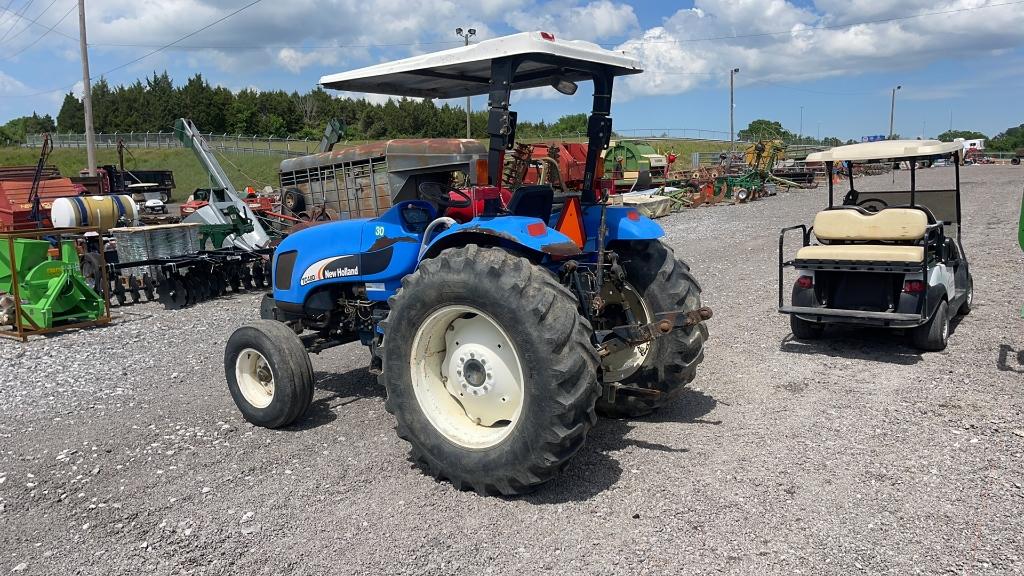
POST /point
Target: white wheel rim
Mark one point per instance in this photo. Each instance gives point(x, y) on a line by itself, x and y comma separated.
point(467, 376)
point(255, 378)
point(624, 363)
point(945, 328)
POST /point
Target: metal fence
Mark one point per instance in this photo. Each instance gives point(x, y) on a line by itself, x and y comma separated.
point(233, 143)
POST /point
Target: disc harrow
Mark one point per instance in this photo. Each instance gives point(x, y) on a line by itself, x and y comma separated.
point(182, 281)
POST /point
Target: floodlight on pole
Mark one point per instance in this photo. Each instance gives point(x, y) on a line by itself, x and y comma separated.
point(892, 110)
point(732, 105)
point(469, 126)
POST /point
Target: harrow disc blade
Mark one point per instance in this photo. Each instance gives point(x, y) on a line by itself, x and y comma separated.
point(173, 293)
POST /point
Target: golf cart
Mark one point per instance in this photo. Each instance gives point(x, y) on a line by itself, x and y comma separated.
point(892, 259)
point(499, 321)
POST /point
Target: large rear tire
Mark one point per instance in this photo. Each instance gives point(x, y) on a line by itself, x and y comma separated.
point(489, 369)
point(269, 373)
point(665, 284)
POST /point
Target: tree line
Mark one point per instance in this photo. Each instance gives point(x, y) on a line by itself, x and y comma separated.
point(153, 104)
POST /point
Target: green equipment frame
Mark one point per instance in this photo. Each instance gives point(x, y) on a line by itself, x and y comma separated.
point(35, 293)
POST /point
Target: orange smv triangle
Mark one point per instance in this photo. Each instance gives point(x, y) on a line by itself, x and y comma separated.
point(570, 222)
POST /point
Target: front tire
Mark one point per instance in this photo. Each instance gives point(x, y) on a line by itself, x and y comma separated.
point(665, 284)
point(269, 373)
point(489, 370)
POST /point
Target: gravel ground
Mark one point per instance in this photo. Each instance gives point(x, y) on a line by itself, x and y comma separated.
point(121, 452)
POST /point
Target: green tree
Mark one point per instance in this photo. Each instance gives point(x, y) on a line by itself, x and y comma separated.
point(761, 129)
point(1009, 141)
point(71, 117)
point(950, 135)
point(161, 109)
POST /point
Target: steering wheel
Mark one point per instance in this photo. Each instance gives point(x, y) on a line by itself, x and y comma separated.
point(873, 204)
point(441, 195)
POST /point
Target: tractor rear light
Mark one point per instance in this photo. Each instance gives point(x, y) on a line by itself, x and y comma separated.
point(633, 215)
point(481, 172)
point(805, 282)
point(914, 286)
point(547, 36)
point(537, 229)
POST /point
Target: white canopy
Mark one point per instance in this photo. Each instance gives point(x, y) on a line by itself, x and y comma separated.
point(885, 150)
point(465, 71)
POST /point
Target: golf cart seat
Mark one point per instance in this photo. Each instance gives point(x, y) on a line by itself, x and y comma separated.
point(851, 234)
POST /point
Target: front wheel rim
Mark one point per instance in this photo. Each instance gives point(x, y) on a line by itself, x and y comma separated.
point(255, 378)
point(467, 377)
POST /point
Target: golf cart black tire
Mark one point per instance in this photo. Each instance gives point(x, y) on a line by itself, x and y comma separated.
point(290, 364)
point(165, 197)
point(293, 200)
point(933, 334)
point(558, 360)
point(805, 329)
point(1015, 161)
point(665, 284)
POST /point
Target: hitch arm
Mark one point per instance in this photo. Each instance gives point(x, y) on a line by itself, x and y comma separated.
point(664, 323)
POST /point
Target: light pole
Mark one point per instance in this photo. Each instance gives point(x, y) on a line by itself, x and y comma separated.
point(469, 125)
point(892, 110)
point(732, 106)
point(819, 133)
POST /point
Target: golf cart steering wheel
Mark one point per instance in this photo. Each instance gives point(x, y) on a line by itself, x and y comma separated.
point(873, 204)
point(440, 194)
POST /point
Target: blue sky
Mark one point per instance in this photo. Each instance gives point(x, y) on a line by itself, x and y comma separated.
point(838, 59)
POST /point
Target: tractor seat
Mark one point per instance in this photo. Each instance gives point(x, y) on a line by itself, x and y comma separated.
point(532, 201)
point(889, 235)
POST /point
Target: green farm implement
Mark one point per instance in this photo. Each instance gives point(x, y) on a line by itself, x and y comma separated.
point(41, 287)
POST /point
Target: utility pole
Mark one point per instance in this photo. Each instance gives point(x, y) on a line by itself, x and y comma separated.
point(469, 113)
point(732, 107)
point(819, 133)
point(90, 137)
point(800, 135)
point(892, 110)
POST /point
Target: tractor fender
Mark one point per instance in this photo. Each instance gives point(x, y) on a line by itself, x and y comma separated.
point(623, 223)
point(517, 232)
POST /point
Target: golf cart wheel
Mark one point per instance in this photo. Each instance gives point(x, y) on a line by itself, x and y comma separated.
point(1015, 161)
point(269, 373)
point(933, 334)
point(664, 284)
point(489, 370)
point(805, 329)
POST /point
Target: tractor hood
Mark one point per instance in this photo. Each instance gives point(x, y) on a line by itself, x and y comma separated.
point(466, 71)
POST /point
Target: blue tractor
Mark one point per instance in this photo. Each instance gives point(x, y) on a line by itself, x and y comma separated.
point(500, 322)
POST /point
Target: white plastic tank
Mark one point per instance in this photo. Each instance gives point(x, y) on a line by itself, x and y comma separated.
point(104, 212)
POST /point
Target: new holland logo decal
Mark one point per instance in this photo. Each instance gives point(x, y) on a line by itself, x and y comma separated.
point(328, 268)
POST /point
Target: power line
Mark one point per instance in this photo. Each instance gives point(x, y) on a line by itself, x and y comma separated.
point(144, 56)
point(33, 21)
point(17, 16)
point(7, 10)
point(48, 30)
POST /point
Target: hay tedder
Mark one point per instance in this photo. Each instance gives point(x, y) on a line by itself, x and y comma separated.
point(499, 321)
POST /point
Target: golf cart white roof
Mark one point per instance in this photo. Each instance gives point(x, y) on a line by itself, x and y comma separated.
point(885, 150)
point(465, 71)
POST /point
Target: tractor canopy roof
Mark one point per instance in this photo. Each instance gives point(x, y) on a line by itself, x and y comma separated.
point(466, 71)
point(885, 150)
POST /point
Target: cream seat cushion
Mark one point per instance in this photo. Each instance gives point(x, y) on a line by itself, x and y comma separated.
point(862, 253)
point(887, 225)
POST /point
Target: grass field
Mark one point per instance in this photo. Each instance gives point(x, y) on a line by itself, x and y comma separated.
point(257, 171)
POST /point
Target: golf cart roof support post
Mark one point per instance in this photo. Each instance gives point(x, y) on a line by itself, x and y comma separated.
point(831, 185)
point(956, 172)
point(499, 118)
point(598, 130)
point(913, 180)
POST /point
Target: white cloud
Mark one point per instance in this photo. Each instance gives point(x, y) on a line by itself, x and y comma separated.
point(597, 20)
point(778, 41)
point(10, 85)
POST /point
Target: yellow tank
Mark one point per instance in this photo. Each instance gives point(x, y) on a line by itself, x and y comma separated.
point(104, 212)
